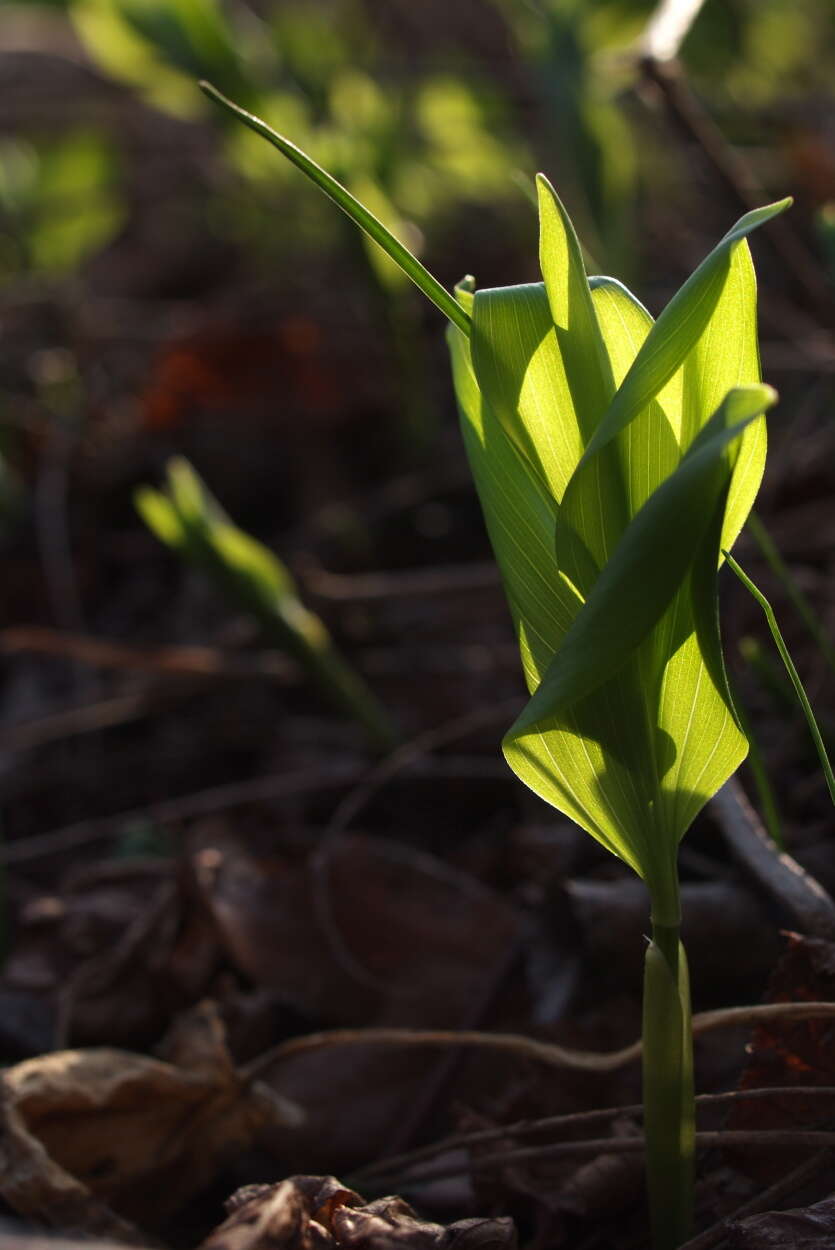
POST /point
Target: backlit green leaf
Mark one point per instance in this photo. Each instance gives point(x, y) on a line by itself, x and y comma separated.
point(646, 568)
point(633, 759)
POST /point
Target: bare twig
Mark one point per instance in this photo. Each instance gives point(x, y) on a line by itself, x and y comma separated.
point(763, 1139)
point(668, 27)
point(522, 1047)
point(395, 1164)
point(190, 661)
point(688, 116)
point(811, 907)
point(189, 807)
point(85, 718)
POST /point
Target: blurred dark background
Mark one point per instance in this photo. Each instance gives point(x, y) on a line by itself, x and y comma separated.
point(169, 285)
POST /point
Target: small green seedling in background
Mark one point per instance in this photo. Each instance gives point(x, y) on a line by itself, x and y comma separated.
point(187, 518)
point(615, 459)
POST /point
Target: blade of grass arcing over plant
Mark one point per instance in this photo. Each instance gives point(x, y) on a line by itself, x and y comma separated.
point(189, 519)
point(780, 644)
point(349, 204)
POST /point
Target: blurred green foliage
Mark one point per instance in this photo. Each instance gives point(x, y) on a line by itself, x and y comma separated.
point(59, 201)
point(187, 518)
point(420, 138)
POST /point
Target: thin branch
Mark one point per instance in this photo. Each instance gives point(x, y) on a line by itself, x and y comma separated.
point(548, 1053)
point(811, 907)
point(186, 661)
point(733, 172)
point(188, 807)
point(668, 27)
point(763, 1139)
point(86, 718)
point(577, 1119)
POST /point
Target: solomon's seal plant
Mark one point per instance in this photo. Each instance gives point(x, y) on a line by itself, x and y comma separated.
point(615, 459)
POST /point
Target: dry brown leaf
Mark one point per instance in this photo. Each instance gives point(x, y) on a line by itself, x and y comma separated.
point(369, 932)
point(139, 1134)
point(17, 1239)
point(800, 1052)
point(808, 1228)
point(319, 1213)
point(112, 955)
point(35, 1185)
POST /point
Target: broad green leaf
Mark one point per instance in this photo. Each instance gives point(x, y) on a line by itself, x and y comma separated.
point(691, 709)
point(644, 572)
point(587, 366)
point(519, 507)
point(677, 330)
point(349, 204)
point(519, 367)
point(675, 341)
point(583, 547)
point(633, 761)
point(693, 704)
point(520, 514)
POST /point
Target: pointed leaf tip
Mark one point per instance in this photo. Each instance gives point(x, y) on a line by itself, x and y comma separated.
point(352, 207)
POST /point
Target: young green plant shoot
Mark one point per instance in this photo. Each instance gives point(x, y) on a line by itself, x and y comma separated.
point(615, 458)
point(187, 518)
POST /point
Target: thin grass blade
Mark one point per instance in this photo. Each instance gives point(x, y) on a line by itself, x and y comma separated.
point(804, 609)
point(794, 676)
point(349, 204)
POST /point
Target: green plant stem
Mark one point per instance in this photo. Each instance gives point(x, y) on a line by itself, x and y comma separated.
point(790, 669)
point(669, 1104)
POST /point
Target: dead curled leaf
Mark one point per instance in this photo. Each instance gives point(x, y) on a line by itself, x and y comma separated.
point(18, 1240)
point(110, 956)
point(96, 1137)
point(369, 932)
point(306, 922)
point(319, 1213)
point(809, 1228)
point(789, 1052)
